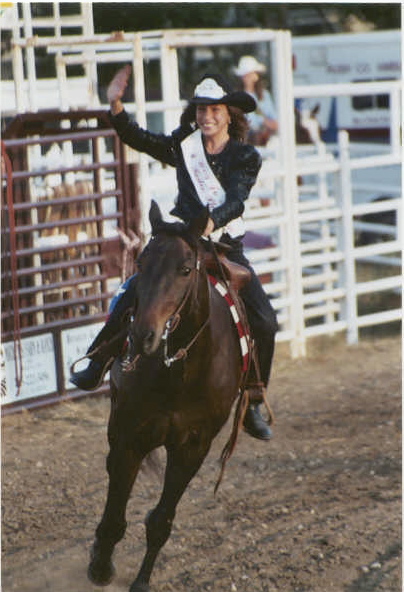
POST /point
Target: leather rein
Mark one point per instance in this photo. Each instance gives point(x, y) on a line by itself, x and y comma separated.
point(173, 322)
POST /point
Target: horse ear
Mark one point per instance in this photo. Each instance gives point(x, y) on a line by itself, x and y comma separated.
point(315, 111)
point(155, 216)
point(197, 225)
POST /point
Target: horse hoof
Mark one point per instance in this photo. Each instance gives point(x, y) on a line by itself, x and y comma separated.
point(101, 576)
point(100, 572)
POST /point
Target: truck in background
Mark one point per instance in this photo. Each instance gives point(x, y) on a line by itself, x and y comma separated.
point(346, 58)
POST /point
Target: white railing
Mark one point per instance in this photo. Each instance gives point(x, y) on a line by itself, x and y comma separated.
point(391, 87)
point(311, 272)
point(313, 264)
point(327, 255)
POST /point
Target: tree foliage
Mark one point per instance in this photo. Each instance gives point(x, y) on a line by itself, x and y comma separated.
point(130, 16)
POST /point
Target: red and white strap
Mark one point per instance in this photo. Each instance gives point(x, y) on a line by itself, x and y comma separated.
point(241, 330)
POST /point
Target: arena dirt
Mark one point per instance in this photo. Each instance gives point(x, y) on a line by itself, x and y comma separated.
point(318, 509)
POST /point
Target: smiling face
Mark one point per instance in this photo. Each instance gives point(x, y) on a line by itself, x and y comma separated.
point(213, 120)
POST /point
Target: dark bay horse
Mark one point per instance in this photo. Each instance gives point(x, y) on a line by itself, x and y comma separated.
point(177, 390)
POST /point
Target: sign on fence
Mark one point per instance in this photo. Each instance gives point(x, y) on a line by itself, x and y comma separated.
point(39, 369)
point(75, 343)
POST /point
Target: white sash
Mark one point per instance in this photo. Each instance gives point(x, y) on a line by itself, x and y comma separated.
point(207, 185)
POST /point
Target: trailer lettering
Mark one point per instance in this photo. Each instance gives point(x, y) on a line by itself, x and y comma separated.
point(338, 68)
point(363, 68)
point(391, 66)
point(370, 120)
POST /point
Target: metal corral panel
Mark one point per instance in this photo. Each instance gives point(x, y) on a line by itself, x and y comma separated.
point(67, 189)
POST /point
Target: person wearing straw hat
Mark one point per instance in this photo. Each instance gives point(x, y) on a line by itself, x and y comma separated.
point(215, 168)
point(263, 121)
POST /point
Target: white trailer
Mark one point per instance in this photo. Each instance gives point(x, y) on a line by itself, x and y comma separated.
point(344, 59)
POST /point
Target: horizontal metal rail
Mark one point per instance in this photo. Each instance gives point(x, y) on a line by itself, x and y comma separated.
point(67, 136)
point(346, 89)
point(64, 223)
point(59, 324)
point(71, 303)
point(57, 286)
point(60, 265)
point(71, 245)
point(62, 201)
point(78, 168)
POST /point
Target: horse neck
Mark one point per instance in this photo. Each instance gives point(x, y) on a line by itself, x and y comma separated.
point(199, 305)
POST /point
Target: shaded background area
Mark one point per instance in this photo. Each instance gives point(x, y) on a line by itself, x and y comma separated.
point(300, 18)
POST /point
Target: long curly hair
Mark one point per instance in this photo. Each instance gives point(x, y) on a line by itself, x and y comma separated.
point(238, 128)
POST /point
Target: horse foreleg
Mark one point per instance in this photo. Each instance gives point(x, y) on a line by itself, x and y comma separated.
point(182, 465)
point(123, 466)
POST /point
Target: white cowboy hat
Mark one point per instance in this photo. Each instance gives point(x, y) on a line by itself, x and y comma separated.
point(248, 64)
point(213, 89)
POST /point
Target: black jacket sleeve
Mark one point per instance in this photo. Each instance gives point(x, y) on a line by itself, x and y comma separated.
point(159, 146)
point(241, 174)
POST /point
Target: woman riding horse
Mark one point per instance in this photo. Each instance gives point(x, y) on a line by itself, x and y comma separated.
point(216, 169)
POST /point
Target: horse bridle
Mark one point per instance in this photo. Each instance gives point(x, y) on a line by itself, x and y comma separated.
point(172, 323)
point(174, 320)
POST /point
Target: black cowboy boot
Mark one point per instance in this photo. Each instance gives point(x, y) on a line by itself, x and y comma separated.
point(106, 346)
point(254, 424)
point(91, 378)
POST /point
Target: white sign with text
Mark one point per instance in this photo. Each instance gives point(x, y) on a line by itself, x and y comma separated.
point(75, 343)
point(38, 369)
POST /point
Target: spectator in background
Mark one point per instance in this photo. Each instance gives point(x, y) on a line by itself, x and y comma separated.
point(263, 121)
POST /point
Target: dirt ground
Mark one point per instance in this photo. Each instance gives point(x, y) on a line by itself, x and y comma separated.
point(318, 509)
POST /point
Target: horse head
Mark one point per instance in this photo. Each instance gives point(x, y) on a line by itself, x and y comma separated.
point(168, 269)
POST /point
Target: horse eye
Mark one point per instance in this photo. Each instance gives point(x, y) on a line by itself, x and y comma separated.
point(185, 270)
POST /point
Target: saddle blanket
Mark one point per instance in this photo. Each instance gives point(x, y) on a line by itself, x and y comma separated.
point(241, 329)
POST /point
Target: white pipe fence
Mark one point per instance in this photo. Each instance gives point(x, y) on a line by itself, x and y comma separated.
point(314, 283)
point(328, 256)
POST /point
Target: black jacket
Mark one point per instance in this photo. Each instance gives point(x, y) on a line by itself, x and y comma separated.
point(236, 167)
